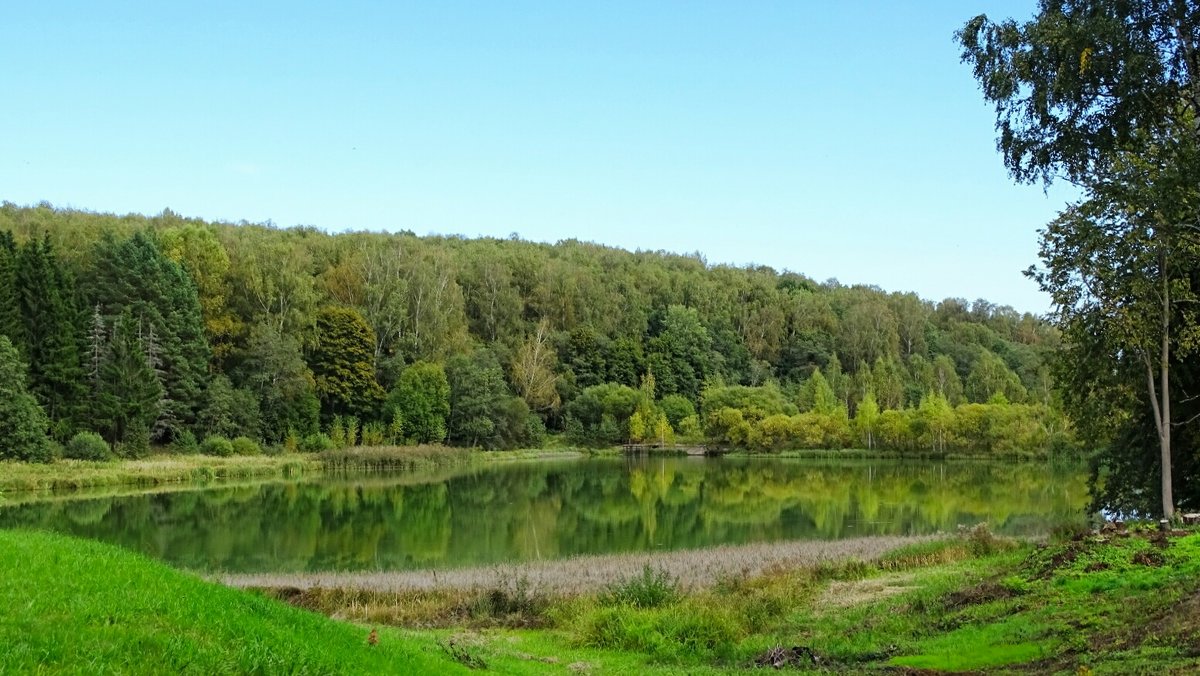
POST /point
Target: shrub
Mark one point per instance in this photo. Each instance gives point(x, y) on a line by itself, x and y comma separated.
point(136, 443)
point(87, 446)
point(670, 634)
point(291, 442)
point(651, 589)
point(373, 434)
point(315, 443)
point(186, 443)
point(246, 446)
point(982, 542)
point(218, 446)
point(511, 602)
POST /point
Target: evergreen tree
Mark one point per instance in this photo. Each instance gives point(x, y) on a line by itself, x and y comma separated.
point(134, 276)
point(22, 422)
point(129, 396)
point(10, 310)
point(46, 301)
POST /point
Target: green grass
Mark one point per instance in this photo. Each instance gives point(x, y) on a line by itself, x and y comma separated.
point(74, 606)
point(1097, 604)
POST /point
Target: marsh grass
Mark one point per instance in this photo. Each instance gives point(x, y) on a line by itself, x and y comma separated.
point(392, 458)
point(693, 568)
point(158, 470)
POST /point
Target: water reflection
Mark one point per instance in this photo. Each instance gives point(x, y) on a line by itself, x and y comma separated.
point(533, 511)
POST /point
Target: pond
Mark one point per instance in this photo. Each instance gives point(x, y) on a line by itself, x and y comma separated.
point(523, 511)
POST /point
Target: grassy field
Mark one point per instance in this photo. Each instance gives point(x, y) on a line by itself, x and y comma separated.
point(1113, 603)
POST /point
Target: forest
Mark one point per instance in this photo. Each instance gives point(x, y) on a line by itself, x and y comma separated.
point(123, 333)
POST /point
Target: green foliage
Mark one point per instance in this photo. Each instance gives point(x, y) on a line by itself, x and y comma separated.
point(600, 415)
point(132, 278)
point(653, 588)
point(22, 422)
point(420, 403)
point(46, 302)
point(373, 434)
point(245, 446)
point(226, 314)
point(273, 368)
point(317, 443)
point(128, 393)
point(669, 634)
point(217, 446)
point(337, 433)
point(228, 412)
point(1104, 94)
point(343, 363)
point(87, 446)
point(482, 410)
point(186, 443)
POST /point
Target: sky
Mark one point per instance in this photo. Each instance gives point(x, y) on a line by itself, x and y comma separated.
point(836, 139)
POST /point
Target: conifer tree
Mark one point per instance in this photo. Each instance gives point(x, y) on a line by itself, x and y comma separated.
point(134, 276)
point(10, 311)
point(46, 301)
point(22, 422)
point(129, 396)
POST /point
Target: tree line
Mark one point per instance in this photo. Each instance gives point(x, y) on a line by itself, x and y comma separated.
point(168, 330)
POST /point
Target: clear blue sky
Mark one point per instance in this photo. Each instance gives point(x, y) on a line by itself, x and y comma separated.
point(836, 139)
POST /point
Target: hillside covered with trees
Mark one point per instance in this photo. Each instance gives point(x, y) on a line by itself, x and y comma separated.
point(174, 331)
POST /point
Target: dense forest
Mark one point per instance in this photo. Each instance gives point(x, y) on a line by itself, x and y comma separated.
point(122, 332)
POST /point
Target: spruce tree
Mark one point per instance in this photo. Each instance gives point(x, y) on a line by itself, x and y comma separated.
point(46, 301)
point(10, 311)
point(22, 422)
point(134, 276)
point(129, 396)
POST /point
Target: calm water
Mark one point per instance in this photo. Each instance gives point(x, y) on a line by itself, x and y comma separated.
point(544, 510)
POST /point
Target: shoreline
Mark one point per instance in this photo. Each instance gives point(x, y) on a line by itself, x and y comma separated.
point(26, 480)
point(691, 568)
point(20, 481)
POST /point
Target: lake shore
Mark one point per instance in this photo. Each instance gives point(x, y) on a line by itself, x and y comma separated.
point(692, 568)
point(167, 469)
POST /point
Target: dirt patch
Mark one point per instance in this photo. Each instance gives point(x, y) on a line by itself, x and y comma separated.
point(1150, 558)
point(984, 592)
point(796, 656)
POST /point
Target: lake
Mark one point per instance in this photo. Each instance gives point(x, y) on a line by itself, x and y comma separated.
point(521, 511)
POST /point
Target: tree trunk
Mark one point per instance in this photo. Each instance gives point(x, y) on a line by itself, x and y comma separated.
point(1164, 425)
point(1162, 411)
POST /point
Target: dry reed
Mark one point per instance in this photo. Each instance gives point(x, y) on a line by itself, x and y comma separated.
point(693, 569)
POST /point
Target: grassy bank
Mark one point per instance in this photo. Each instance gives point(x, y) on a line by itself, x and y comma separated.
point(73, 606)
point(153, 471)
point(1116, 603)
point(168, 469)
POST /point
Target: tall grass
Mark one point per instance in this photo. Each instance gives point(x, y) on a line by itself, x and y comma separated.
point(392, 458)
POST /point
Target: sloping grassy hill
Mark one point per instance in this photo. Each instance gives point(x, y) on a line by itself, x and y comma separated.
point(78, 606)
